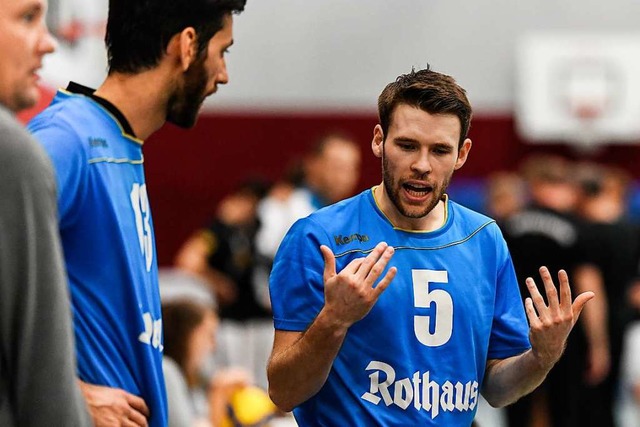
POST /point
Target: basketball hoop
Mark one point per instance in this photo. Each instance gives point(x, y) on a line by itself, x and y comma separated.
point(581, 89)
point(588, 92)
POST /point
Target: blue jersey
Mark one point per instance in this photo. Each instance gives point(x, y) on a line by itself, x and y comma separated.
point(418, 357)
point(109, 247)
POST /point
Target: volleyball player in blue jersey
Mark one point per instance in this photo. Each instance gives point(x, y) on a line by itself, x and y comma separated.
point(399, 306)
point(165, 58)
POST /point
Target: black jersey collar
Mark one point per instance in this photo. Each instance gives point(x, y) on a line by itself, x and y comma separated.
point(74, 87)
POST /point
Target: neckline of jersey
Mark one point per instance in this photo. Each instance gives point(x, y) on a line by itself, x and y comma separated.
point(448, 213)
point(122, 122)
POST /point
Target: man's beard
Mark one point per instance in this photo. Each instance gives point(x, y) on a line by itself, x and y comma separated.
point(394, 194)
point(184, 105)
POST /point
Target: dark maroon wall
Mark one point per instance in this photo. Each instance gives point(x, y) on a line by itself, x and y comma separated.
point(189, 171)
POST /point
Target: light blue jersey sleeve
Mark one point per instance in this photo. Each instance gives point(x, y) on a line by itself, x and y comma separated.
point(69, 160)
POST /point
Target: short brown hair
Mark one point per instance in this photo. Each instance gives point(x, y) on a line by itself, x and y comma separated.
point(429, 91)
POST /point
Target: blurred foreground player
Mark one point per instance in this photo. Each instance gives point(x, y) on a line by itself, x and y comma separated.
point(165, 58)
point(384, 313)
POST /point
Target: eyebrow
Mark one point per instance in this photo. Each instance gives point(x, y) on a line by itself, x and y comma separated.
point(33, 6)
point(405, 139)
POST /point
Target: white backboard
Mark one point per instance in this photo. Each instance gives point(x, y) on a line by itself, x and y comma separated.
point(582, 89)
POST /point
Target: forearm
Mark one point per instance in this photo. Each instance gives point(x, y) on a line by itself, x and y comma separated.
point(507, 380)
point(297, 370)
point(218, 403)
point(595, 315)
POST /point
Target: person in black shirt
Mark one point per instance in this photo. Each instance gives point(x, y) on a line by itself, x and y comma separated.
point(224, 255)
point(547, 233)
point(614, 245)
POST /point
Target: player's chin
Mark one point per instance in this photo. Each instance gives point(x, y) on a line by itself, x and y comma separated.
point(183, 120)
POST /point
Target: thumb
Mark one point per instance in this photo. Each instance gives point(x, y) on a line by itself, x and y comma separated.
point(329, 262)
point(579, 303)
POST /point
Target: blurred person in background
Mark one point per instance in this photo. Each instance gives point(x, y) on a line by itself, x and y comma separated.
point(223, 255)
point(329, 173)
point(195, 399)
point(547, 232)
point(38, 383)
point(628, 403)
point(165, 57)
point(506, 195)
point(614, 246)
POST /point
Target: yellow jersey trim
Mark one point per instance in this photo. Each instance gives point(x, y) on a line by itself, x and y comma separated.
point(117, 122)
point(446, 214)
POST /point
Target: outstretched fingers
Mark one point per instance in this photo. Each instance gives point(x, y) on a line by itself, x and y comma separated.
point(329, 262)
point(532, 315)
point(535, 303)
point(565, 290)
point(386, 280)
point(550, 289)
point(372, 261)
point(382, 254)
point(558, 308)
point(580, 301)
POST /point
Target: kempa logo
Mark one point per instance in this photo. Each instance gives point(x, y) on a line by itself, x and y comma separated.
point(97, 142)
point(343, 240)
point(419, 390)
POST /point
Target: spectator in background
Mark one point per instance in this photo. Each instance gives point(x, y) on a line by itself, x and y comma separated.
point(195, 400)
point(37, 362)
point(614, 245)
point(223, 255)
point(629, 397)
point(506, 195)
point(547, 233)
point(330, 173)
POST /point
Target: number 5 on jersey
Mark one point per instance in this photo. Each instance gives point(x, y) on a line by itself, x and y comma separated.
point(441, 306)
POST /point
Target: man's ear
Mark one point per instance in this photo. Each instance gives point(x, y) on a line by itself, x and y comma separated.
point(378, 141)
point(463, 154)
point(184, 46)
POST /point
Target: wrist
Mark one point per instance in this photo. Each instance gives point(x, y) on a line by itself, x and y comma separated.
point(328, 320)
point(545, 361)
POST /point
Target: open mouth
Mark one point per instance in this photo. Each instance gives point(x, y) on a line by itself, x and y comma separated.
point(417, 190)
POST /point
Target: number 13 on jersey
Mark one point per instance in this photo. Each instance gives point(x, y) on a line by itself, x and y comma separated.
point(140, 205)
point(440, 303)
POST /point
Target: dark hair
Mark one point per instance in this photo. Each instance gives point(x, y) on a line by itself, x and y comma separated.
point(139, 31)
point(179, 319)
point(429, 91)
point(320, 143)
point(254, 186)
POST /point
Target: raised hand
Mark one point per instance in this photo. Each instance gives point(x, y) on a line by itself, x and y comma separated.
point(350, 294)
point(551, 324)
